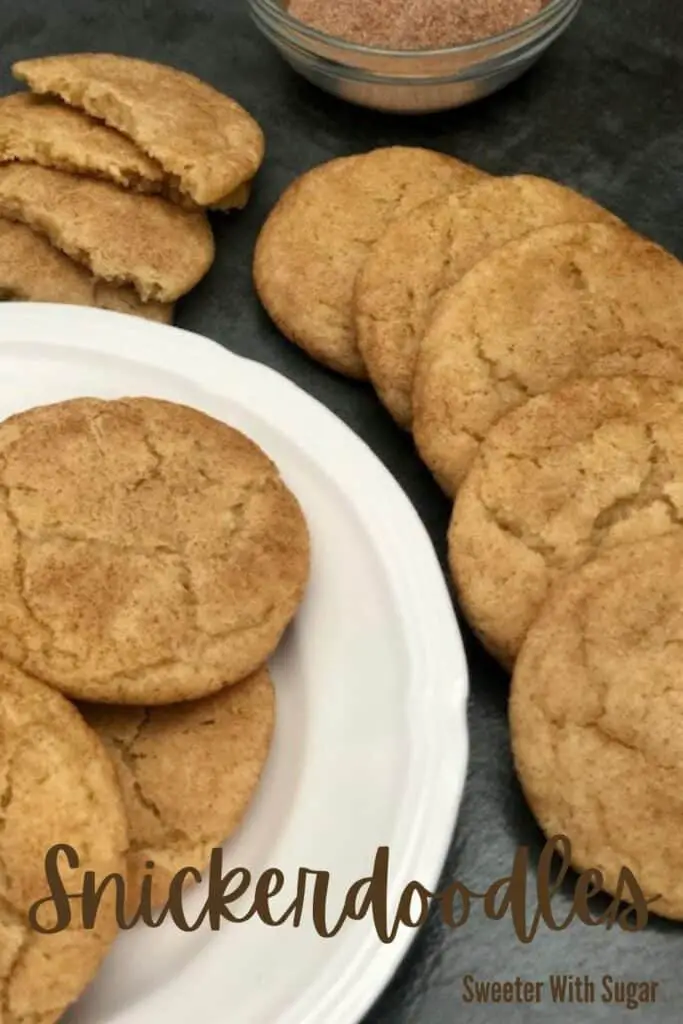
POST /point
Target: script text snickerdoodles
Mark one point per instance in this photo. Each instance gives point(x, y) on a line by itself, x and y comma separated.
point(188, 773)
point(145, 241)
point(32, 270)
point(205, 141)
point(317, 237)
point(596, 715)
point(567, 475)
point(427, 251)
point(58, 786)
point(148, 553)
point(568, 300)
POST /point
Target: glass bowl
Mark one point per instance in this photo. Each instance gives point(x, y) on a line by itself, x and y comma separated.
point(411, 81)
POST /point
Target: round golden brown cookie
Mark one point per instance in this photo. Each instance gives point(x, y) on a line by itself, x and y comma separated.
point(124, 238)
point(188, 773)
point(586, 299)
point(569, 474)
point(426, 252)
point(321, 231)
point(58, 787)
point(596, 715)
point(32, 270)
point(148, 553)
point(203, 139)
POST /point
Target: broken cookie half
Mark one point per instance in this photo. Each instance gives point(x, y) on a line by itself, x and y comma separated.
point(205, 142)
point(124, 238)
point(32, 270)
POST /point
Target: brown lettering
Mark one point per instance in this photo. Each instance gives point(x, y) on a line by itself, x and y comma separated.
point(404, 912)
point(547, 888)
point(379, 895)
point(514, 900)
point(175, 902)
point(296, 907)
point(589, 884)
point(220, 894)
point(93, 895)
point(375, 898)
point(367, 895)
point(264, 893)
point(370, 894)
point(58, 898)
point(629, 891)
point(446, 901)
point(321, 891)
point(145, 908)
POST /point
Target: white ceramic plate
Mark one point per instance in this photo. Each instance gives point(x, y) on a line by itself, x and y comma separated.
point(371, 740)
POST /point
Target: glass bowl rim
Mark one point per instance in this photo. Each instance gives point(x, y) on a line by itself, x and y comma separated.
point(315, 36)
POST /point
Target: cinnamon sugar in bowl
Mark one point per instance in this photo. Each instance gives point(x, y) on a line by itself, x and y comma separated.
point(411, 81)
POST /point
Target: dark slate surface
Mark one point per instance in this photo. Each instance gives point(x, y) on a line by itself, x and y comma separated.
point(603, 112)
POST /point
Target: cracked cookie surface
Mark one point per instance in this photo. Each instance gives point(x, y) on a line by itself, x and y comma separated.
point(188, 773)
point(429, 250)
point(148, 553)
point(58, 787)
point(596, 716)
point(142, 241)
point(564, 301)
point(566, 476)
point(322, 229)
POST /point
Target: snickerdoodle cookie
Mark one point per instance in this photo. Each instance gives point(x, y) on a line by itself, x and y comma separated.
point(205, 142)
point(40, 130)
point(145, 241)
point(569, 474)
point(567, 300)
point(32, 270)
point(323, 228)
point(596, 714)
point(427, 251)
point(58, 787)
point(188, 773)
point(148, 553)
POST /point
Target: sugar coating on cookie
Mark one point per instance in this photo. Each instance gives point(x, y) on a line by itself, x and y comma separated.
point(323, 228)
point(427, 251)
point(562, 301)
point(144, 241)
point(188, 773)
point(204, 139)
point(567, 475)
point(148, 553)
point(58, 787)
point(32, 270)
point(596, 715)
point(37, 129)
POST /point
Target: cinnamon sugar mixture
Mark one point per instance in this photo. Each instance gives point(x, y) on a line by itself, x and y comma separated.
point(413, 24)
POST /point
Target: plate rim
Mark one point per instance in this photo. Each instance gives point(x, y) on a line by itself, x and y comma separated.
point(366, 974)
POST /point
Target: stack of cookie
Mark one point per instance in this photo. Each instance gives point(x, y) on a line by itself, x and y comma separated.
point(151, 559)
point(107, 168)
point(533, 344)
